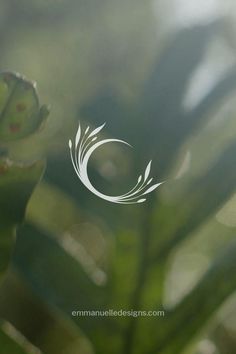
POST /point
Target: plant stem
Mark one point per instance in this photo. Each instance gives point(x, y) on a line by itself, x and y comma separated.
point(7, 236)
point(136, 298)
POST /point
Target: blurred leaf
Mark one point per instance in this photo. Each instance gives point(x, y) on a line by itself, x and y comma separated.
point(160, 105)
point(204, 197)
point(56, 276)
point(13, 345)
point(195, 309)
point(17, 182)
point(50, 333)
point(160, 108)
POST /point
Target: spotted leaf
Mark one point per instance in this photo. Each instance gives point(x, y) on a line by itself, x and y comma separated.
point(20, 112)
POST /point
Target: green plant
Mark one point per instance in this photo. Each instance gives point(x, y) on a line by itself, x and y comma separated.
point(20, 116)
point(143, 249)
point(76, 252)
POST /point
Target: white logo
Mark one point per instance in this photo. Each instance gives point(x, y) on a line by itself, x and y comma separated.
point(85, 144)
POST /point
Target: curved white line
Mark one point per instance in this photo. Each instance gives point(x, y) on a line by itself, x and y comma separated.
point(84, 172)
point(82, 153)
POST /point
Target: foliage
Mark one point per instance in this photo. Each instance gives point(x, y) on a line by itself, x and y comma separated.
point(19, 117)
point(77, 252)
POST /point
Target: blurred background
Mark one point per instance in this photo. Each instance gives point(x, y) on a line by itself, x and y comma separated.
point(162, 75)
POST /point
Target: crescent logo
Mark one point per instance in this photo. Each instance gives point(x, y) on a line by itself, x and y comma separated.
point(84, 145)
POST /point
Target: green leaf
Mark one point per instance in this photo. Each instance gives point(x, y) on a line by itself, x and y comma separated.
point(203, 198)
point(12, 342)
point(183, 322)
point(17, 182)
point(7, 237)
point(20, 113)
point(56, 276)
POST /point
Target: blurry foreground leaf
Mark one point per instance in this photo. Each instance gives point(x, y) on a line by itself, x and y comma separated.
point(196, 308)
point(11, 342)
point(56, 276)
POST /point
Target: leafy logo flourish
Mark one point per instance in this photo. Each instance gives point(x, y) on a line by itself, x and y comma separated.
point(84, 145)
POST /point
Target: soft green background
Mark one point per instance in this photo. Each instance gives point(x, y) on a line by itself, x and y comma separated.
point(162, 75)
